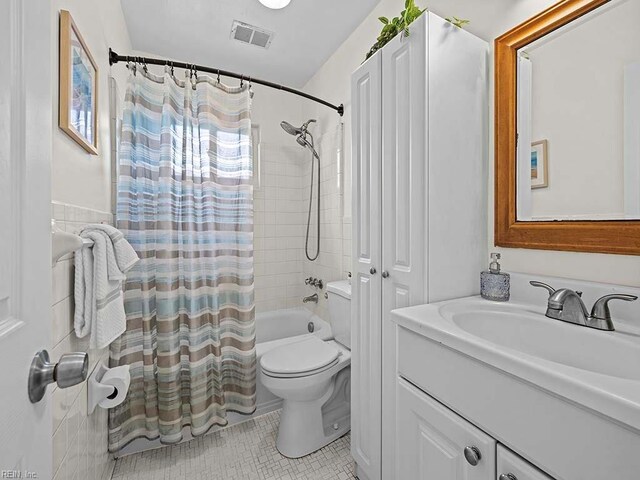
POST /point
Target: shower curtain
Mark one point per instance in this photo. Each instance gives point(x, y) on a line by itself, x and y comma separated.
point(185, 203)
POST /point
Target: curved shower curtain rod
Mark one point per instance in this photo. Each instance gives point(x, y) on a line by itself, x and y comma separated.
point(115, 58)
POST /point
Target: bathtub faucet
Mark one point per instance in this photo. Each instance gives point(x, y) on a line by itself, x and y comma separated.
point(311, 298)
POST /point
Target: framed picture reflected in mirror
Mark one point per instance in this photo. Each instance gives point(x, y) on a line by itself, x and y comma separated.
point(539, 164)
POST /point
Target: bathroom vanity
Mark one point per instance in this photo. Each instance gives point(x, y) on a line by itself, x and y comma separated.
point(489, 390)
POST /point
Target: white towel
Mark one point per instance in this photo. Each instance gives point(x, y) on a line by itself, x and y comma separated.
point(98, 284)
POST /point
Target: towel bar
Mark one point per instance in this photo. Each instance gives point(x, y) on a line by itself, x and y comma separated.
point(63, 243)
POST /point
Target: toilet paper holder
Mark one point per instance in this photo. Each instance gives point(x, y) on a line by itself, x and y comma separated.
point(96, 391)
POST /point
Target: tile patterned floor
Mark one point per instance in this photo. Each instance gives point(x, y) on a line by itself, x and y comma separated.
point(242, 452)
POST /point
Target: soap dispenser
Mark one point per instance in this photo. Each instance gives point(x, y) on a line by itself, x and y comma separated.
point(494, 284)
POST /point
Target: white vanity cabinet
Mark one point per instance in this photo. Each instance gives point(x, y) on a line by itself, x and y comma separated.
point(476, 383)
point(435, 443)
point(433, 440)
point(419, 157)
point(511, 467)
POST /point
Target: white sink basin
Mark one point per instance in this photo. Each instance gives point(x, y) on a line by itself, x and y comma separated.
point(518, 328)
point(597, 369)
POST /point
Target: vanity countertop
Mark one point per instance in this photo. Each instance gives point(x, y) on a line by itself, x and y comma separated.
point(595, 369)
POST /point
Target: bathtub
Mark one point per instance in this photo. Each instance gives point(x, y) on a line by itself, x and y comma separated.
point(273, 329)
point(277, 328)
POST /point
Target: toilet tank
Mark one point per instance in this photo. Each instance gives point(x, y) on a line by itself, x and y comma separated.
point(340, 311)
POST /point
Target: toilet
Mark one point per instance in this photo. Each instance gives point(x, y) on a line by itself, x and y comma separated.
point(313, 378)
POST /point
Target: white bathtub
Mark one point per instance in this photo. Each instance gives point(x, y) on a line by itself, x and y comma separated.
point(277, 328)
point(272, 330)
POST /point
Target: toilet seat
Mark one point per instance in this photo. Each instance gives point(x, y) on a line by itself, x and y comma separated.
point(304, 358)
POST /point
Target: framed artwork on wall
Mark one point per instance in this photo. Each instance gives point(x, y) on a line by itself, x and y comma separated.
point(539, 164)
point(78, 75)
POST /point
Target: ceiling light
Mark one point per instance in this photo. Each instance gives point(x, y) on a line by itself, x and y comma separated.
point(275, 4)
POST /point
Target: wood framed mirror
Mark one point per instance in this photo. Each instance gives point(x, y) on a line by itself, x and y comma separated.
point(616, 230)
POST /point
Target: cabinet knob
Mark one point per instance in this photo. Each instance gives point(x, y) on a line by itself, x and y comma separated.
point(372, 270)
point(385, 274)
point(473, 456)
point(507, 476)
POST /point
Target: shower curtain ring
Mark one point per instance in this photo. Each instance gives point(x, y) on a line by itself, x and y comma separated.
point(241, 81)
point(218, 75)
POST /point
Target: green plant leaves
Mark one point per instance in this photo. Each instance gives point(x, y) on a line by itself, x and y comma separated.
point(400, 24)
point(458, 22)
point(396, 25)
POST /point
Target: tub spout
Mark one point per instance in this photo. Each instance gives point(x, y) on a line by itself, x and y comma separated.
point(311, 298)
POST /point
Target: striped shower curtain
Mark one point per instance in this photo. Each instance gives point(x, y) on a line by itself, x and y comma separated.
point(185, 203)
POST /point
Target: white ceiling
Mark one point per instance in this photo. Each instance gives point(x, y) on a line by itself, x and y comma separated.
point(307, 32)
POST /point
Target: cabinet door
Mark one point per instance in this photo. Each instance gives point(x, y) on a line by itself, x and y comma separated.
point(432, 440)
point(366, 340)
point(404, 243)
point(512, 467)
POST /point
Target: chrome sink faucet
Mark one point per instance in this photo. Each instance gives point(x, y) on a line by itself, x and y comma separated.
point(567, 305)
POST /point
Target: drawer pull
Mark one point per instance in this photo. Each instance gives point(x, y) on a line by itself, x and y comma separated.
point(473, 456)
point(508, 476)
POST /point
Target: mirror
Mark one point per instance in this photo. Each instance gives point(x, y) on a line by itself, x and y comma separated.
point(579, 119)
point(567, 129)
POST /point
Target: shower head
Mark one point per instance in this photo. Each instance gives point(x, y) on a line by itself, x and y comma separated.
point(302, 135)
point(290, 129)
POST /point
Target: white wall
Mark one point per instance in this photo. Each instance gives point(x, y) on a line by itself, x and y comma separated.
point(79, 439)
point(79, 178)
point(578, 105)
point(81, 190)
point(489, 19)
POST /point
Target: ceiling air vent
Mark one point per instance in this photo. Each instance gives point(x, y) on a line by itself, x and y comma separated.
point(245, 33)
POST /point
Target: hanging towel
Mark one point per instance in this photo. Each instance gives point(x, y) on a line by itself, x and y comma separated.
point(100, 272)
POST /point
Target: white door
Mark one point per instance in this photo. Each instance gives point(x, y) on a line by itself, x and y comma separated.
point(366, 303)
point(25, 206)
point(432, 441)
point(404, 243)
point(511, 467)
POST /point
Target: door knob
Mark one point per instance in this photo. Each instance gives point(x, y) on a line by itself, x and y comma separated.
point(71, 370)
point(473, 456)
point(385, 274)
point(372, 270)
point(507, 476)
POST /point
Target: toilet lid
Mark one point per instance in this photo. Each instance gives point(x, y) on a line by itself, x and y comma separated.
point(304, 356)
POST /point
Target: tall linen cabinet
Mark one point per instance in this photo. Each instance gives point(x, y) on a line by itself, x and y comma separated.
point(419, 133)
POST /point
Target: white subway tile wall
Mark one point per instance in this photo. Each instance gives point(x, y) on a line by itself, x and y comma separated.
point(279, 223)
point(334, 261)
point(280, 220)
point(79, 440)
